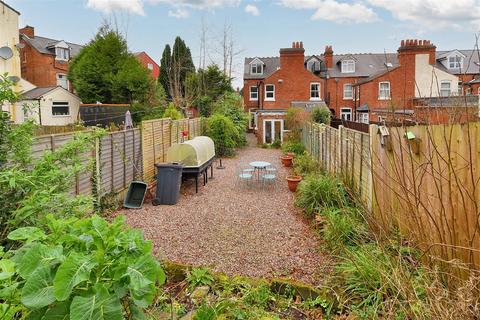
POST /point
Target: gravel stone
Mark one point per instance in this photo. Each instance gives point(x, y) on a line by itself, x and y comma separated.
point(239, 231)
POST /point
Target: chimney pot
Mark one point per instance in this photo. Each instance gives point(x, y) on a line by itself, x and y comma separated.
point(301, 44)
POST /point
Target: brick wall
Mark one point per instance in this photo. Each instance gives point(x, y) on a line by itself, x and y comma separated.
point(145, 59)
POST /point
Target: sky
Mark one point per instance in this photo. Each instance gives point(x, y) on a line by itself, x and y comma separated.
point(259, 27)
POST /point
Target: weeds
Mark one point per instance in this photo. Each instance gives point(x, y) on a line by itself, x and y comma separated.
point(199, 277)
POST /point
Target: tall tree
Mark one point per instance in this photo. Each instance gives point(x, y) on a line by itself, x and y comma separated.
point(182, 65)
point(165, 69)
point(105, 71)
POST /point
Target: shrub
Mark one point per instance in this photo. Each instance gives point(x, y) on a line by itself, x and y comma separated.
point(293, 146)
point(223, 132)
point(231, 106)
point(343, 228)
point(295, 119)
point(318, 192)
point(83, 269)
point(205, 106)
point(321, 115)
point(172, 112)
point(277, 143)
point(304, 164)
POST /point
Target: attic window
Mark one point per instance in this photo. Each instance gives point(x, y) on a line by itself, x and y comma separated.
point(455, 62)
point(256, 68)
point(313, 65)
point(62, 54)
point(348, 66)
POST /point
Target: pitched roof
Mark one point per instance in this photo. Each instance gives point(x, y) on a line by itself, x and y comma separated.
point(9, 7)
point(43, 45)
point(36, 93)
point(471, 62)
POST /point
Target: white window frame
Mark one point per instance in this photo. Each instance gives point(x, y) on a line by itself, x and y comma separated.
point(478, 90)
point(267, 98)
point(250, 93)
point(66, 79)
point(272, 132)
point(345, 96)
point(258, 66)
point(344, 112)
point(66, 104)
point(150, 66)
point(442, 90)
point(311, 65)
point(318, 91)
point(348, 66)
point(380, 90)
point(62, 54)
point(363, 117)
point(455, 62)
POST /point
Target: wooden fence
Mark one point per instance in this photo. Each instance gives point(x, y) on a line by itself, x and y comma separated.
point(158, 135)
point(123, 156)
point(430, 193)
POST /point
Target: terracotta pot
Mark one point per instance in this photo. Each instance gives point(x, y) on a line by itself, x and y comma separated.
point(286, 161)
point(293, 182)
point(291, 154)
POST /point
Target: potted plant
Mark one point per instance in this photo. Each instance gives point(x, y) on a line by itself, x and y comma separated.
point(286, 160)
point(293, 181)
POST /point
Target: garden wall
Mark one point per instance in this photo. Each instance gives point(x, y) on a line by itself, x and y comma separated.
point(427, 187)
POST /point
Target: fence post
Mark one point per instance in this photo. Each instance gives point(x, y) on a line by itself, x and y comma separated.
point(360, 189)
point(98, 175)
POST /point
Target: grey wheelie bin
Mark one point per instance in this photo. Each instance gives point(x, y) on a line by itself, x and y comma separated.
point(169, 179)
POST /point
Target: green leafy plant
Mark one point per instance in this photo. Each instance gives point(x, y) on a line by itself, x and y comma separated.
point(172, 112)
point(321, 115)
point(318, 192)
point(295, 119)
point(277, 143)
point(200, 277)
point(83, 269)
point(293, 146)
point(224, 134)
point(304, 165)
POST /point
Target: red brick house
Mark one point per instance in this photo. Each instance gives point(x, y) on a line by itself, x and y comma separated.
point(358, 87)
point(272, 85)
point(44, 61)
point(149, 63)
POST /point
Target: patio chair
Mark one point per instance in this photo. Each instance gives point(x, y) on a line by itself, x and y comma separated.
point(270, 177)
point(245, 175)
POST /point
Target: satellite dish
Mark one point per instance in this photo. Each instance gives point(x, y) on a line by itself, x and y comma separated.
point(14, 79)
point(6, 53)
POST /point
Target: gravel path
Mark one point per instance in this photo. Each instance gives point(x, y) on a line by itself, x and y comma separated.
point(235, 230)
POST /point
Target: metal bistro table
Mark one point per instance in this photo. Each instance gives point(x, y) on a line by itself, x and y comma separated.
point(259, 166)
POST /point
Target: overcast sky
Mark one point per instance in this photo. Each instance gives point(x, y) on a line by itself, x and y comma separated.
point(261, 27)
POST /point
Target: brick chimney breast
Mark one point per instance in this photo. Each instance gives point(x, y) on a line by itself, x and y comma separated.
point(29, 31)
point(328, 56)
point(293, 57)
point(411, 47)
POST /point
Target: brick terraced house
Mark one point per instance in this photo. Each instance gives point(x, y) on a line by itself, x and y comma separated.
point(148, 63)
point(44, 61)
point(357, 87)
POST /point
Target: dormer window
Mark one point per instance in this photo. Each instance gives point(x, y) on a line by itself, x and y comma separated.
point(313, 65)
point(256, 68)
point(348, 66)
point(62, 54)
point(455, 62)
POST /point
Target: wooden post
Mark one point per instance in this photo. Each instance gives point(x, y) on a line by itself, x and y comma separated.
point(360, 189)
point(124, 159)
point(112, 186)
point(98, 176)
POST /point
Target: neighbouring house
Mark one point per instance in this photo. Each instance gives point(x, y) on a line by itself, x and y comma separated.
point(10, 55)
point(272, 85)
point(357, 87)
point(149, 63)
point(44, 61)
point(49, 106)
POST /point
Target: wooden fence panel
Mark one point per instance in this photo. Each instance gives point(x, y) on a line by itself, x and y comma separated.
point(431, 196)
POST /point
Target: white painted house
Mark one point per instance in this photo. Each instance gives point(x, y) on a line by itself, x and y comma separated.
point(50, 106)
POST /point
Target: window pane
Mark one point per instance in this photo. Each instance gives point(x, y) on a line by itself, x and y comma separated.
point(60, 109)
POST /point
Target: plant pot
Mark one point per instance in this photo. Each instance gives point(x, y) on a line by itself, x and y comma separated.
point(286, 160)
point(291, 154)
point(293, 182)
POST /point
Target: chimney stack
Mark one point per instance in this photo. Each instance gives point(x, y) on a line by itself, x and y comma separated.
point(293, 57)
point(412, 47)
point(28, 31)
point(328, 56)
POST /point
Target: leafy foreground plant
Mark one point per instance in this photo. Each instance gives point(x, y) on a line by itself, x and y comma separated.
point(79, 269)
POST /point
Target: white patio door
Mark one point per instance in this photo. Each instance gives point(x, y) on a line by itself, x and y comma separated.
point(272, 130)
